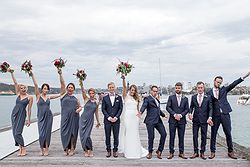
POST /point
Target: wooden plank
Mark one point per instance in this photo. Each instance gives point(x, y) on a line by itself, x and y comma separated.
point(56, 157)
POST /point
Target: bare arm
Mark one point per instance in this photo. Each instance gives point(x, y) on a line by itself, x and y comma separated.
point(84, 95)
point(15, 83)
point(79, 107)
point(36, 85)
point(62, 82)
point(97, 116)
point(54, 96)
point(29, 109)
point(124, 87)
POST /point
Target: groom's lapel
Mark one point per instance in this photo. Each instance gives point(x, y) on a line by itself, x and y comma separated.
point(109, 101)
point(152, 99)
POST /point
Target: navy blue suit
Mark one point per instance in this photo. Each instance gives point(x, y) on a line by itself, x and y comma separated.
point(110, 110)
point(183, 109)
point(221, 110)
point(153, 121)
point(200, 117)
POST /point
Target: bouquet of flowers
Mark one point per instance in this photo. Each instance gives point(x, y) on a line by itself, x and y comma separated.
point(4, 67)
point(59, 63)
point(81, 75)
point(124, 68)
point(27, 67)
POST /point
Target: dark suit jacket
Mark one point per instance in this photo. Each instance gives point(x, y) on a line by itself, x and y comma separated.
point(173, 108)
point(202, 113)
point(222, 102)
point(153, 111)
point(112, 111)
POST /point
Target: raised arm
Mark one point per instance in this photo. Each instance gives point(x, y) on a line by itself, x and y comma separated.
point(54, 96)
point(29, 109)
point(62, 82)
point(15, 82)
point(124, 87)
point(84, 95)
point(36, 85)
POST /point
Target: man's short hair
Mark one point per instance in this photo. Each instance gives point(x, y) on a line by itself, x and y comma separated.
point(178, 84)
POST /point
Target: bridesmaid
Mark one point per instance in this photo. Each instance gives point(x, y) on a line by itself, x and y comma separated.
point(18, 115)
point(87, 120)
point(70, 108)
point(44, 115)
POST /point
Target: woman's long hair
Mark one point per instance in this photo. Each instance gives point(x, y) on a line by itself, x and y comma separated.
point(136, 95)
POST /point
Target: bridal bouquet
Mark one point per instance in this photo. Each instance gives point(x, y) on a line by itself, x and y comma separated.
point(27, 67)
point(59, 63)
point(124, 68)
point(4, 67)
point(81, 75)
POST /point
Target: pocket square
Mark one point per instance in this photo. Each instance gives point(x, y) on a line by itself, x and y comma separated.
point(117, 100)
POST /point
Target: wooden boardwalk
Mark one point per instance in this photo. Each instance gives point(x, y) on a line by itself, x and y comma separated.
point(56, 157)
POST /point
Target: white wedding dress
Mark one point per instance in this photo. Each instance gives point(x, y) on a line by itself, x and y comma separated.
point(129, 138)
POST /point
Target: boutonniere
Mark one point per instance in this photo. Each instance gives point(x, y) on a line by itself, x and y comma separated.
point(116, 96)
point(205, 95)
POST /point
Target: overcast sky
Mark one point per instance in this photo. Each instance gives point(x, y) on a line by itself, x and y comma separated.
point(193, 39)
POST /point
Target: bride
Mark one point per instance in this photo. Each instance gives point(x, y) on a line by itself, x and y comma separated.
point(129, 138)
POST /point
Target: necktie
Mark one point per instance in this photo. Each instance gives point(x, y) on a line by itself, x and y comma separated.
point(200, 96)
point(217, 93)
point(179, 100)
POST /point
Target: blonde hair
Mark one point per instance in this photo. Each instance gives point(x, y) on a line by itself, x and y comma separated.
point(25, 86)
point(111, 83)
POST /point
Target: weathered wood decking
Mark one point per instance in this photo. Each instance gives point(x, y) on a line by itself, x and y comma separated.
point(56, 157)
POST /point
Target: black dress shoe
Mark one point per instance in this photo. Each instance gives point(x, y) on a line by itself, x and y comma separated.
point(212, 155)
point(158, 154)
point(203, 156)
point(232, 155)
point(171, 155)
point(182, 156)
point(115, 154)
point(149, 156)
point(108, 154)
point(195, 155)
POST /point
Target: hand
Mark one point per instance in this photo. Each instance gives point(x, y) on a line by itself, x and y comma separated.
point(28, 123)
point(139, 114)
point(59, 70)
point(98, 125)
point(115, 119)
point(247, 75)
point(177, 117)
point(190, 116)
point(110, 119)
point(210, 122)
point(166, 116)
point(123, 76)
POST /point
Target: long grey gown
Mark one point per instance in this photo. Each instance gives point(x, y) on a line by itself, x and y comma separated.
point(18, 117)
point(86, 124)
point(69, 121)
point(45, 120)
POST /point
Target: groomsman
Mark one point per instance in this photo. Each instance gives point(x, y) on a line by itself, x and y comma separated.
point(221, 113)
point(177, 106)
point(153, 121)
point(201, 111)
point(112, 108)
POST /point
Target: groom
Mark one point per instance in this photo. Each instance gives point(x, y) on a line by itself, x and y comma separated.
point(112, 108)
point(153, 121)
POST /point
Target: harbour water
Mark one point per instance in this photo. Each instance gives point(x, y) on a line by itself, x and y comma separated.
point(240, 116)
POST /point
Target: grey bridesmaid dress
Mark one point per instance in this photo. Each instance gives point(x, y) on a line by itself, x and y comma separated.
point(69, 121)
point(18, 117)
point(45, 120)
point(86, 124)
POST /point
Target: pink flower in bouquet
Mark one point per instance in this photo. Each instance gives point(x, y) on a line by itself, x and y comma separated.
point(27, 67)
point(4, 67)
point(124, 68)
point(81, 75)
point(59, 63)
